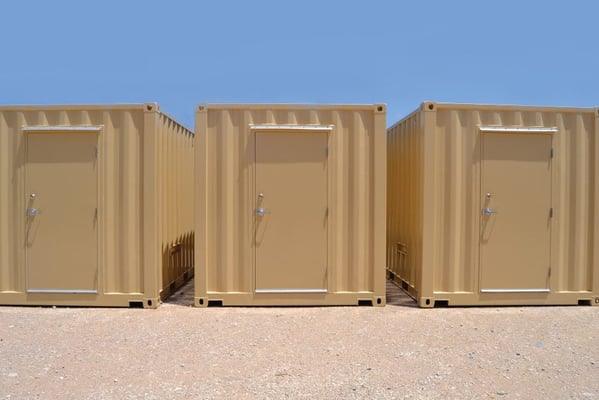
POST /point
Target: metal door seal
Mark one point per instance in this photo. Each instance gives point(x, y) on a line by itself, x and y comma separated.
point(514, 290)
point(63, 291)
point(279, 291)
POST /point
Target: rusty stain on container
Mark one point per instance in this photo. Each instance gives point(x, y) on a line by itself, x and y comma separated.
point(494, 205)
point(96, 205)
point(290, 205)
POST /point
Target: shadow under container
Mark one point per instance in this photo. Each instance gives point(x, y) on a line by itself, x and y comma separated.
point(96, 205)
point(291, 205)
point(494, 205)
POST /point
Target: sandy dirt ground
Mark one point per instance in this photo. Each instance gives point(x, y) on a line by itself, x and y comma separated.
point(395, 352)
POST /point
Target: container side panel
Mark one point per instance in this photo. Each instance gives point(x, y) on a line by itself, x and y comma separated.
point(129, 200)
point(107, 257)
point(404, 199)
point(175, 204)
point(120, 207)
point(11, 203)
point(339, 219)
point(227, 201)
point(359, 188)
point(575, 159)
point(456, 198)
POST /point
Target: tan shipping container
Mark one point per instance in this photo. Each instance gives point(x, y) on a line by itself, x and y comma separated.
point(291, 205)
point(96, 205)
point(494, 205)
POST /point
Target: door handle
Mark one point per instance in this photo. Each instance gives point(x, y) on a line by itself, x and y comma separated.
point(262, 211)
point(489, 211)
point(32, 212)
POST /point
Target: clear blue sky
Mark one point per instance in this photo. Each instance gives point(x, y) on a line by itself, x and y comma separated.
point(183, 53)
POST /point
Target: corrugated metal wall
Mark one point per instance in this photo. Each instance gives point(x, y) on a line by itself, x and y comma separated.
point(145, 171)
point(175, 163)
point(405, 190)
point(450, 173)
point(11, 189)
point(224, 194)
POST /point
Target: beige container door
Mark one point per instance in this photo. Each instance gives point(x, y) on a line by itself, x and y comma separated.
point(291, 212)
point(516, 212)
point(61, 230)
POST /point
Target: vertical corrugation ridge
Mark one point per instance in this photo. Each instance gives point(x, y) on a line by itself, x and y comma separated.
point(344, 171)
point(572, 187)
point(447, 175)
point(216, 221)
point(394, 175)
point(417, 235)
point(468, 200)
point(163, 147)
point(370, 138)
point(559, 230)
point(108, 257)
point(457, 200)
point(228, 216)
point(442, 164)
point(174, 201)
point(349, 215)
point(85, 117)
point(237, 204)
point(174, 176)
point(18, 198)
point(126, 231)
point(190, 202)
point(131, 192)
point(213, 177)
point(337, 221)
point(7, 247)
point(246, 206)
point(470, 267)
point(360, 207)
point(42, 118)
point(168, 136)
point(582, 205)
point(446, 129)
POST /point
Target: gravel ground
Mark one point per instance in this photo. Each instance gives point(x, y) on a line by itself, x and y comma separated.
point(399, 351)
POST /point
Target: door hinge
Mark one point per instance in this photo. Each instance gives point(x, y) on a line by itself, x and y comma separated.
point(550, 270)
point(326, 212)
point(551, 212)
point(551, 153)
point(96, 151)
point(326, 152)
point(96, 213)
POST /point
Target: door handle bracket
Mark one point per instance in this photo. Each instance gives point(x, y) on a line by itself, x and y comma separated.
point(32, 212)
point(489, 211)
point(262, 211)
